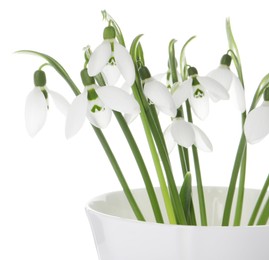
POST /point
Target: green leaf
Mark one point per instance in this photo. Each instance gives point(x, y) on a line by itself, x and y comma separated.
point(186, 196)
point(172, 61)
point(231, 41)
point(263, 219)
point(259, 202)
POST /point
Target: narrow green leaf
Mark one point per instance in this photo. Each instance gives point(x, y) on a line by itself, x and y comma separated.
point(182, 59)
point(259, 202)
point(263, 219)
point(233, 180)
point(186, 196)
point(232, 43)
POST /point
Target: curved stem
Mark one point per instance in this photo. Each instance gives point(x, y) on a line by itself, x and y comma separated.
point(59, 68)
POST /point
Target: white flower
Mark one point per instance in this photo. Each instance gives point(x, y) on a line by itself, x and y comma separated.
point(198, 90)
point(186, 134)
point(111, 58)
point(96, 104)
point(37, 104)
point(157, 93)
point(230, 81)
point(257, 123)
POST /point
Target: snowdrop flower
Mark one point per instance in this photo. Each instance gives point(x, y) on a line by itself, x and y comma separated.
point(37, 104)
point(257, 122)
point(157, 93)
point(96, 103)
point(198, 90)
point(230, 81)
point(186, 134)
point(112, 59)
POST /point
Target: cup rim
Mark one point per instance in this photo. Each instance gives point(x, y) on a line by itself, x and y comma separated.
point(88, 208)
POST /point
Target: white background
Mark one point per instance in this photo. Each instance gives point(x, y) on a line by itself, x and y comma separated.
point(45, 182)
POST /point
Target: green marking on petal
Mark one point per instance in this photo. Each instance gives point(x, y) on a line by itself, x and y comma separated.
point(198, 93)
point(96, 108)
point(112, 61)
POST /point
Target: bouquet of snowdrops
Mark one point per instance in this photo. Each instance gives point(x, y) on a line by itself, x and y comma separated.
point(143, 95)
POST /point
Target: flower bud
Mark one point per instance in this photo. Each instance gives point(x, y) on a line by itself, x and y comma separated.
point(144, 73)
point(109, 33)
point(226, 59)
point(86, 79)
point(40, 78)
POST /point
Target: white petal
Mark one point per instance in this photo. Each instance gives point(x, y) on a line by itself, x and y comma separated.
point(182, 133)
point(160, 96)
point(257, 124)
point(100, 118)
point(76, 114)
point(124, 63)
point(238, 94)
point(131, 117)
point(35, 111)
point(60, 102)
point(126, 87)
point(99, 58)
point(160, 76)
point(182, 92)
point(214, 88)
point(200, 105)
point(111, 74)
point(169, 140)
point(223, 75)
point(117, 99)
point(202, 142)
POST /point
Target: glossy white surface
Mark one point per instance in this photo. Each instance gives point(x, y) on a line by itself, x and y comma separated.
point(118, 236)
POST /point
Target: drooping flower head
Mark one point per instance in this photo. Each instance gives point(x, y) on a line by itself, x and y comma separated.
point(96, 103)
point(198, 90)
point(257, 122)
point(112, 59)
point(186, 134)
point(157, 93)
point(37, 104)
point(230, 81)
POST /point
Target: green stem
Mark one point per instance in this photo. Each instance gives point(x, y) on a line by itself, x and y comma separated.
point(142, 167)
point(231, 189)
point(200, 189)
point(241, 191)
point(119, 174)
point(177, 204)
point(263, 219)
point(156, 160)
point(259, 202)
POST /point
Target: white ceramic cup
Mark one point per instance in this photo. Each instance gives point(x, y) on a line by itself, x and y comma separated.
point(119, 236)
